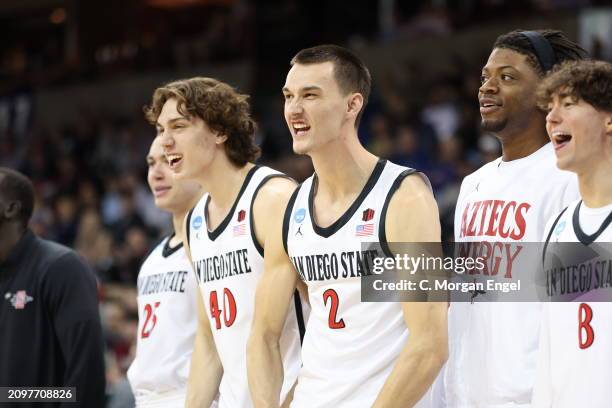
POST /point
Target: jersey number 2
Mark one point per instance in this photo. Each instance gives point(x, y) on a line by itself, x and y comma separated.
point(229, 308)
point(149, 315)
point(333, 310)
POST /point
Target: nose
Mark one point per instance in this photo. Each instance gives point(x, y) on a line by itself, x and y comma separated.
point(156, 171)
point(167, 141)
point(489, 86)
point(293, 107)
point(552, 117)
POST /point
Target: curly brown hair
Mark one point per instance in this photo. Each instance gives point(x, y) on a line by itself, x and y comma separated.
point(220, 106)
point(590, 81)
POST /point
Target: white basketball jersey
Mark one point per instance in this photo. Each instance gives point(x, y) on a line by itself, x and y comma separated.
point(229, 263)
point(575, 356)
point(167, 309)
point(492, 346)
point(350, 346)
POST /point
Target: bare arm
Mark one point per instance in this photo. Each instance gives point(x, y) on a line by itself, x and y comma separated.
point(274, 295)
point(413, 217)
point(206, 370)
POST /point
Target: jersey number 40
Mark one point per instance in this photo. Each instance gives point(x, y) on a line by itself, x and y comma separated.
point(228, 311)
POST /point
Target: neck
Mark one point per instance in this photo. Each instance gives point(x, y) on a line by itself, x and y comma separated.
point(521, 143)
point(343, 166)
point(222, 180)
point(596, 186)
point(178, 219)
point(10, 234)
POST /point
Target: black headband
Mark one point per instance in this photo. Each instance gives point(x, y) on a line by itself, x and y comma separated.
point(543, 49)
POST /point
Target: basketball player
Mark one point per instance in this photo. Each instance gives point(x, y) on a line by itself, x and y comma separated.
point(575, 358)
point(207, 134)
point(355, 354)
point(167, 292)
point(509, 200)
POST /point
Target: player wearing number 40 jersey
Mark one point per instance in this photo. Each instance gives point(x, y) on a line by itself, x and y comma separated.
point(355, 354)
point(207, 135)
point(167, 291)
point(575, 357)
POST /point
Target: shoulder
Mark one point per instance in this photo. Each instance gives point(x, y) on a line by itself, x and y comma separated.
point(64, 267)
point(59, 259)
point(473, 178)
point(412, 188)
point(155, 253)
point(274, 190)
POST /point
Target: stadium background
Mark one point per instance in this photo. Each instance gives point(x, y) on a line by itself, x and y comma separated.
point(75, 74)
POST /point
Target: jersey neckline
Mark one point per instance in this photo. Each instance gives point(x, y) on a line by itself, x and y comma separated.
point(326, 232)
point(168, 250)
point(583, 237)
point(212, 235)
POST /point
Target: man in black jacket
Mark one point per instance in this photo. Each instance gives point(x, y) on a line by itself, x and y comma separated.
point(50, 333)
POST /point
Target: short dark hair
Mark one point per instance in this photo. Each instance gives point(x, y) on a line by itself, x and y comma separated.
point(563, 48)
point(350, 72)
point(220, 106)
point(590, 81)
point(17, 187)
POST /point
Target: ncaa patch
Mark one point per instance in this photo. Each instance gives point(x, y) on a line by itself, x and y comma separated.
point(197, 222)
point(560, 227)
point(300, 214)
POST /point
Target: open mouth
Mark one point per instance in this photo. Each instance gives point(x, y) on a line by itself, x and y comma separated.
point(300, 129)
point(560, 139)
point(489, 105)
point(174, 159)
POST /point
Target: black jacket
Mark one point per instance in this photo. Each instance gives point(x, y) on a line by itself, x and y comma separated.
point(50, 333)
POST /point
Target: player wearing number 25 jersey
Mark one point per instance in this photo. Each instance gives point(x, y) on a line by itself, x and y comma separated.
point(207, 136)
point(355, 354)
point(575, 356)
point(167, 293)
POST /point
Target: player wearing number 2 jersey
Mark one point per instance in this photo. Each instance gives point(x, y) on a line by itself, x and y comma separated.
point(207, 135)
point(575, 356)
point(167, 291)
point(355, 354)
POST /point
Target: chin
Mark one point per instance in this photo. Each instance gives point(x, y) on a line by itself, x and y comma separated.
point(493, 126)
point(565, 164)
point(300, 148)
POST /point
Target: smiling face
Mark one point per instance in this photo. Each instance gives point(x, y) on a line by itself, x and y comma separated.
point(170, 194)
point(188, 143)
point(507, 92)
point(581, 135)
point(316, 110)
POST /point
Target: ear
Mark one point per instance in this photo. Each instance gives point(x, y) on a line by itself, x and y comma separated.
point(220, 139)
point(609, 124)
point(12, 209)
point(355, 103)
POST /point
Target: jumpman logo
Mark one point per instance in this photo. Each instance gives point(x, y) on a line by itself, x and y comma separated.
point(476, 292)
point(299, 231)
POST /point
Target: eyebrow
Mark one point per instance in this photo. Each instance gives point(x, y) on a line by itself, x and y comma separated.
point(173, 120)
point(500, 68)
point(304, 89)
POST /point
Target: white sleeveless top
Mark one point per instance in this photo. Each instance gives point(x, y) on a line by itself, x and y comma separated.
point(167, 290)
point(350, 346)
point(229, 263)
point(575, 356)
